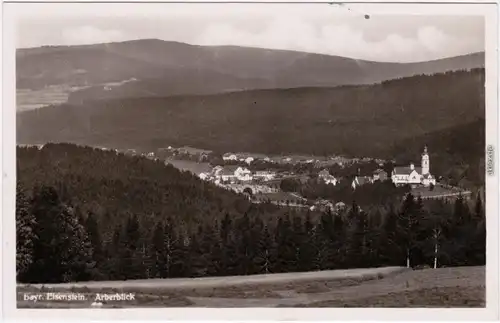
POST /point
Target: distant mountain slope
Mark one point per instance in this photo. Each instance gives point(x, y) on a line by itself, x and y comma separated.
point(169, 68)
point(355, 120)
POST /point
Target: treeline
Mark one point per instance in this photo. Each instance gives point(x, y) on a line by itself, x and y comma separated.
point(369, 194)
point(377, 193)
point(57, 244)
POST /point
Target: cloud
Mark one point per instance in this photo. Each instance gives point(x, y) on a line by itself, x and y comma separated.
point(91, 35)
point(294, 33)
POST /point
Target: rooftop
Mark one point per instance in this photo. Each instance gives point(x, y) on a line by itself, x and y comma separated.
point(406, 170)
point(193, 150)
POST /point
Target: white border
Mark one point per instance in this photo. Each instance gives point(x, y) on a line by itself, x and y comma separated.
point(487, 8)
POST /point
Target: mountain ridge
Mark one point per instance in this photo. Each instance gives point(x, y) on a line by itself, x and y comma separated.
point(163, 68)
point(80, 46)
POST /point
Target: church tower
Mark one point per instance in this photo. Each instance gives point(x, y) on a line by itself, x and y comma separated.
point(425, 162)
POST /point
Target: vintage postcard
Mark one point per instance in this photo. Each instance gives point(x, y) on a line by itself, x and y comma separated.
point(229, 160)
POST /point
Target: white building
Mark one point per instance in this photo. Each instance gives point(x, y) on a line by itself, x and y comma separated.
point(327, 178)
point(413, 175)
point(232, 173)
point(243, 174)
point(229, 156)
point(249, 160)
point(265, 175)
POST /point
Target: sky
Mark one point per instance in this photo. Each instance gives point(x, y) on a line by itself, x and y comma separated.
point(342, 30)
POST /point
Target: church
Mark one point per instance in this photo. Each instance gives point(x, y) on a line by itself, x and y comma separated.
point(413, 175)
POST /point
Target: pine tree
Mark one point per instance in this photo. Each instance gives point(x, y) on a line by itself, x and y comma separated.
point(177, 249)
point(358, 237)
point(25, 236)
point(196, 264)
point(133, 257)
point(228, 247)
point(158, 252)
point(338, 248)
point(265, 254)
point(434, 223)
point(115, 264)
point(62, 250)
point(390, 251)
point(246, 246)
point(52, 241)
point(79, 258)
point(286, 251)
point(321, 250)
point(299, 242)
point(96, 243)
point(407, 226)
point(211, 250)
point(478, 244)
point(460, 233)
point(306, 247)
point(478, 209)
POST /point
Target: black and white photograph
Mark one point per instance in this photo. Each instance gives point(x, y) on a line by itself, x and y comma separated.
point(252, 155)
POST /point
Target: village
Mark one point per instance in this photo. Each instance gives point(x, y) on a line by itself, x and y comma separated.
point(275, 179)
point(264, 178)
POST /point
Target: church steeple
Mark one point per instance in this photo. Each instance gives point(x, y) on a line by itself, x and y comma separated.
point(425, 162)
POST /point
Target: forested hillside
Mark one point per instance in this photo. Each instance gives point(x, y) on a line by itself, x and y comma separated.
point(353, 120)
point(114, 186)
point(87, 214)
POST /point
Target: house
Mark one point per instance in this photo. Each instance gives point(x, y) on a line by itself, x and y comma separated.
point(229, 156)
point(243, 174)
point(265, 175)
point(327, 178)
point(249, 160)
point(379, 175)
point(216, 170)
point(130, 152)
point(186, 150)
point(361, 180)
point(412, 175)
point(257, 156)
point(276, 160)
point(225, 174)
point(232, 173)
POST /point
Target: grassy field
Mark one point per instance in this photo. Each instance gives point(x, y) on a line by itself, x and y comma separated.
point(33, 99)
point(444, 287)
